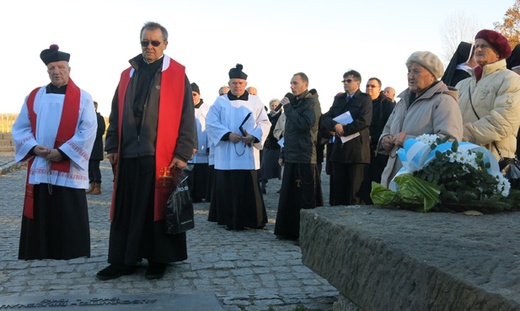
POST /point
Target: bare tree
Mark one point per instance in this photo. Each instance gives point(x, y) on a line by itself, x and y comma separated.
point(510, 28)
point(457, 27)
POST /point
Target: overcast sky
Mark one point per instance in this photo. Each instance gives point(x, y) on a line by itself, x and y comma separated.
point(272, 39)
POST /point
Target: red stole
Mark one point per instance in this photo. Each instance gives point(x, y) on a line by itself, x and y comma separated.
point(171, 102)
point(66, 129)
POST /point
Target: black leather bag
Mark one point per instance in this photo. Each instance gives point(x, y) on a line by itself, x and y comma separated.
point(179, 209)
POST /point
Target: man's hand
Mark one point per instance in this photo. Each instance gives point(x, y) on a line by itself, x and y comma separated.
point(54, 156)
point(234, 138)
point(178, 163)
point(248, 138)
point(41, 151)
point(285, 101)
point(112, 157)
point(339, 129)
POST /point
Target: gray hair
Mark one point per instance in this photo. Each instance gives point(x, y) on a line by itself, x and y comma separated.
point(153, 26)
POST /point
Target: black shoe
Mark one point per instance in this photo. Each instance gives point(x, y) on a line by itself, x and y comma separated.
point(155, 271)
point(115, 271)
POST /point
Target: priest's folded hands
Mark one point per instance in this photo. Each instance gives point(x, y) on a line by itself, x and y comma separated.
point(234, 138)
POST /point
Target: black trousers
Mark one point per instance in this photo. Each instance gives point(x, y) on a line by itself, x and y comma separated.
point(94, 173)
point(134, 234)
point(347, 182)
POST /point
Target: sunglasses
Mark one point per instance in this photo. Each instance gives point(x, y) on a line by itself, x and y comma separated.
point(371, 85)
point(348, 80)
point(155, 43)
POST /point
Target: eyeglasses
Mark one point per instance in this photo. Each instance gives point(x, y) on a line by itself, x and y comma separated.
point(371, 85)
point(348, 80)
point(155, 43)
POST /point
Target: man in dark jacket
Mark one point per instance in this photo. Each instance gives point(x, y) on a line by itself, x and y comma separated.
point(301, 186)
point(152, 130)
point(382, 107)
point(349, 118)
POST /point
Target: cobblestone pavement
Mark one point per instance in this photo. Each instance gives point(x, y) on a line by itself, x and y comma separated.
point(247, 270)
point(6, 157)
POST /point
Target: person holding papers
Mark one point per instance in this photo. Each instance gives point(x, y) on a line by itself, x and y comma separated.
point(348, 120)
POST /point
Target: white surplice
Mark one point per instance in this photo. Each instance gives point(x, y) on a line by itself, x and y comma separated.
point(226, 116)
point(202, 138)
point(48, 108)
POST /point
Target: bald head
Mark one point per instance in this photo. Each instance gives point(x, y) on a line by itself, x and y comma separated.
point(252, 90)
point(223, 90)
point(389, 92)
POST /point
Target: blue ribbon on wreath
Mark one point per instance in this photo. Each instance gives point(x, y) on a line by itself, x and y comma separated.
point(416, 154)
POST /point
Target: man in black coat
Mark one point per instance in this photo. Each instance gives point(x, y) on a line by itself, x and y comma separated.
point(97, 155)
point(349, 120)
point(382, 108)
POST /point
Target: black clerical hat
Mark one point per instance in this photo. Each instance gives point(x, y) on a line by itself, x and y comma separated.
point(52, 54)
point(195, 87)
point(237, 73)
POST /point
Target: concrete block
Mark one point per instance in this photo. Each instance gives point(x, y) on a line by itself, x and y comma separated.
point(390, 259)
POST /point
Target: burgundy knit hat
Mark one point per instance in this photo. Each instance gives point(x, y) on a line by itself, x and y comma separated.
point(497, 41)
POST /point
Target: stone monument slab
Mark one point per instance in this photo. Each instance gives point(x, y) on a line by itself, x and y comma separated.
point(206, 301)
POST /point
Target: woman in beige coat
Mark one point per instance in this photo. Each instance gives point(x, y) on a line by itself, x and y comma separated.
point(490, 98)
point(428, 106)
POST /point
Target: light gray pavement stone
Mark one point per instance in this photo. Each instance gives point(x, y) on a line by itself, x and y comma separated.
point(246, 270)
point(7, 163)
